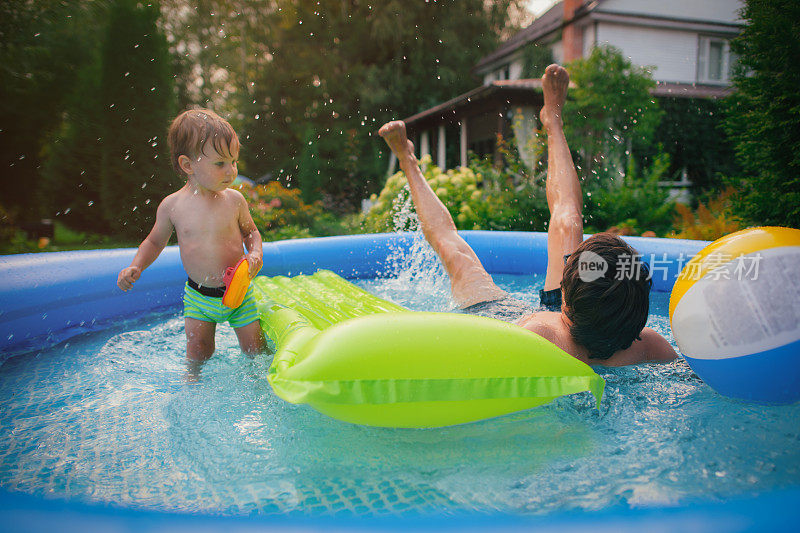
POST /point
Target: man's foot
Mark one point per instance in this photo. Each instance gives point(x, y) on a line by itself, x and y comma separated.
point(394, 133)
point(554, 86)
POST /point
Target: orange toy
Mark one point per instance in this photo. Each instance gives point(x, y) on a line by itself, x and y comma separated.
point(236, 280)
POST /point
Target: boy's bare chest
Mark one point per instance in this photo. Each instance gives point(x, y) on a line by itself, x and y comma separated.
point(202, 218)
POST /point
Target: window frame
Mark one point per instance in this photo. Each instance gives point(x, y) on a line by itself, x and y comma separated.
point(703, 60)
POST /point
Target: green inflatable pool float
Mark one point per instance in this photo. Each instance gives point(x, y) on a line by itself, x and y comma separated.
point(358, 358)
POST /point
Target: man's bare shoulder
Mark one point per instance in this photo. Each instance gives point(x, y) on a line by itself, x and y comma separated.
point(551, 326)
point(651, 347)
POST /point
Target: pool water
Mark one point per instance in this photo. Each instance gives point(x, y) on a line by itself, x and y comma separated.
point(115, 417)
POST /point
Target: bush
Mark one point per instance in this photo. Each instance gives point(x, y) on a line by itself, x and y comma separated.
point(707, 222)
point(764, 112)
point(478, 197)
point(280, 213)
point(633, 203)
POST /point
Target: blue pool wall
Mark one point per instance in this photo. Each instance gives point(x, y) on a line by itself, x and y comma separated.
point(46, 298)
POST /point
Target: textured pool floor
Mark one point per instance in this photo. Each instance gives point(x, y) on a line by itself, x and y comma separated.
point(111, 417)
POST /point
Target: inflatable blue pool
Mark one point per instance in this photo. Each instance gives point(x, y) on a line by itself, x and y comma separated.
point(49, 298)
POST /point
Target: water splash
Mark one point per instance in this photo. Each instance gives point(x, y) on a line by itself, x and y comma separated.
point(414, 269)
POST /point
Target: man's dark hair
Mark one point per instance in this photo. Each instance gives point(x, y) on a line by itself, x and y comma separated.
point(608, 313)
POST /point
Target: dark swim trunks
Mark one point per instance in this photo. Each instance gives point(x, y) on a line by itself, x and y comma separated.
point(550, 300)
point(509, 309)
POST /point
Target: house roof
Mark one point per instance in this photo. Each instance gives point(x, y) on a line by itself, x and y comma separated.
point(690, 90)
point(553, 20)
point(528, 88)
point(496, 89)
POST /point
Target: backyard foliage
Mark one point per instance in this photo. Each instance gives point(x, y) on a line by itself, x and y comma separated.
point(764, 114)
point(478, 197)
point(43, 45)
point(691, 133)
point(634, 202)
point(308, 83)
point(710, 221)
point(280, 213)
point(90, 87)
point(106, 167)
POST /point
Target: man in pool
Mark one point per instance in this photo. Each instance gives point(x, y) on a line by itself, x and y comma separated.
point(605, 286)
point(213, 225)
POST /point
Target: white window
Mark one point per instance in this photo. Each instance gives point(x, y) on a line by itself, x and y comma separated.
point(714, 60)
point(502, 73)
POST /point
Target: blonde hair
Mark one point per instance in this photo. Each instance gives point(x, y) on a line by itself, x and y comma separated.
point(190, 131)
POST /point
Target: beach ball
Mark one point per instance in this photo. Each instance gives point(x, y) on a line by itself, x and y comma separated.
point(735, 314)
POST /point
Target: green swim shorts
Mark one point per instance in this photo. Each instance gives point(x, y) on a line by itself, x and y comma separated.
point(210, 309)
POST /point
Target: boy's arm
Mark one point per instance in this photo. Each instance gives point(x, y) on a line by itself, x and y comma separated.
point(150, 248)
point(251, 238)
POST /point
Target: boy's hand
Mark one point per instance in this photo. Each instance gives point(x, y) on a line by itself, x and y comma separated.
point(128, 277)
point(254, 263)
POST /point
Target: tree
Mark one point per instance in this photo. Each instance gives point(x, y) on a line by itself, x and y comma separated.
point(43, 47)
point(309, 173)
point(763, 116)
point(610, 110)
point(694, 138)
point(535, 58)
point(136, 98)
point(338, 68)
point(72, 157)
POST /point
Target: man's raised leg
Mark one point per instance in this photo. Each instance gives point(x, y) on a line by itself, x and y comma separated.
point(469, 281)
point(564, 197)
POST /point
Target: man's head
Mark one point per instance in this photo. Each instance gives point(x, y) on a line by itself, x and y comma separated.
point(606, 292)
point(197, 131)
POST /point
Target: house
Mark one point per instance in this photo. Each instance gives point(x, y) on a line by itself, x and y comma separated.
point(684, 42)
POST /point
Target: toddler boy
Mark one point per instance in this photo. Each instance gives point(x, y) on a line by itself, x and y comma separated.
point(212, 223)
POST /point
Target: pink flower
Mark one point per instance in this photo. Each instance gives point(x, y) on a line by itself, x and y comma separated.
point(275, 202)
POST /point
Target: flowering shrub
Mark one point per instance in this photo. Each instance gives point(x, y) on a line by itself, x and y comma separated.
point(477, 197)
point(274, 206)
point(280, 213)
point(707, 222)
point(631, 204)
